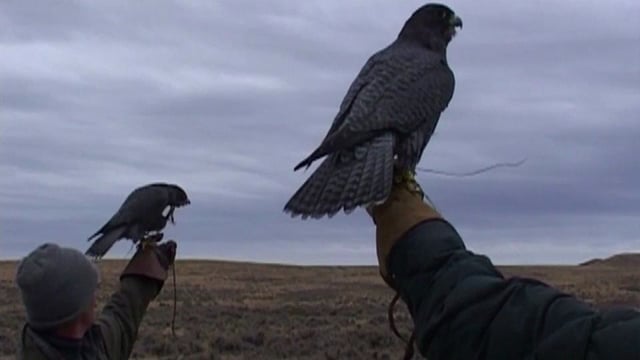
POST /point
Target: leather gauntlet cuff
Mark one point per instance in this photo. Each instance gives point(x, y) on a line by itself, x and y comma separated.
point(148, 262)
point(404, 209)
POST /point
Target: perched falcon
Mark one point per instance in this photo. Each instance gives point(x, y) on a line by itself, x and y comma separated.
point(140, 214)
point(386, 119)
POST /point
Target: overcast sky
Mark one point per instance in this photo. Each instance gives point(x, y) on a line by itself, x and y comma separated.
point(224, 97)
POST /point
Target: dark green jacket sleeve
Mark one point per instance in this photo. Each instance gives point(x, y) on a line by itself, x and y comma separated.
point(122, 315)
point(463, 308)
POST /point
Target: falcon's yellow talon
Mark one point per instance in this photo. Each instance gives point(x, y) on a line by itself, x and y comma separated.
point(144, 244)
point(408, 175)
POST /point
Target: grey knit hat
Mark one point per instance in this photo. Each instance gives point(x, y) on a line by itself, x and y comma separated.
point(56, 284)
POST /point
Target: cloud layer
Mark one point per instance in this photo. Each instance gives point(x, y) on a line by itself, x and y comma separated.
point(226, 97)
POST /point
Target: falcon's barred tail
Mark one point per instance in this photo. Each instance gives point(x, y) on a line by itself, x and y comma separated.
point(102, 244)
point(347, 180)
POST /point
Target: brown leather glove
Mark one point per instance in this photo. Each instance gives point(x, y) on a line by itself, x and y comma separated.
point(152, 261)
point(403, 209)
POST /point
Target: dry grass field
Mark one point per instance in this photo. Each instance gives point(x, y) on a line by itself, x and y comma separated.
point(230, 310)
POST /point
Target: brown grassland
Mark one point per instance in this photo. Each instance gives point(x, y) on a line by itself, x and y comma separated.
point(229, 310)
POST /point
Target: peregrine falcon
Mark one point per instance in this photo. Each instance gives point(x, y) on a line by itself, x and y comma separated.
point(140, 214)
point(385, 120)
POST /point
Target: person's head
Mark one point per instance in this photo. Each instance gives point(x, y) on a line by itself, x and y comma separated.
point(58, 286)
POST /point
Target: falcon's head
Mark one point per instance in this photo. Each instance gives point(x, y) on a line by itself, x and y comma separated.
point(177, 198)
point(433, 25)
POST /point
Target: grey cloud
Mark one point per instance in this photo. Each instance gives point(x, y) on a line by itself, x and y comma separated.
point(225, 97)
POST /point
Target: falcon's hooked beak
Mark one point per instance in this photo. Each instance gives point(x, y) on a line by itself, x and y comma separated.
point(455, 21)
point(170, 215)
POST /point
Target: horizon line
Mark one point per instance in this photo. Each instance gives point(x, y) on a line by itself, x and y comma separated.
point(293, 264)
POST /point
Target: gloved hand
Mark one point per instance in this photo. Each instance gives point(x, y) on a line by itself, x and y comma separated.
point(152, 261)
point(404, 208)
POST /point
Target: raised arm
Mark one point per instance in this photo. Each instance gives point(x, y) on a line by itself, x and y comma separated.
point(140, 282)
point(463, 308)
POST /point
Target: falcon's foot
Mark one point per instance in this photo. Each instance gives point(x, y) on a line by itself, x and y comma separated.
point(150, 240)
point(408, 178)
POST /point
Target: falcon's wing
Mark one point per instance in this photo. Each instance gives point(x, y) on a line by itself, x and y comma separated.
point(415, 91)
point(141, 202)
point(398, 89)
point(366, 75)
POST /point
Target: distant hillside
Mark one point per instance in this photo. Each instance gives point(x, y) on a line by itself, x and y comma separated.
point(626, 259)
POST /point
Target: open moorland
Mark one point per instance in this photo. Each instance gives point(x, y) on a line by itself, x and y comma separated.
point(233, 310)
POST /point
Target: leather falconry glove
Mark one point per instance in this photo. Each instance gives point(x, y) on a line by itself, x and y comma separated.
point(152, 261)
point(400, 212)
point(404, 208)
